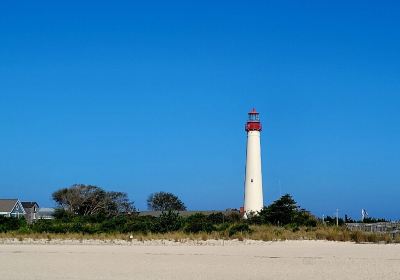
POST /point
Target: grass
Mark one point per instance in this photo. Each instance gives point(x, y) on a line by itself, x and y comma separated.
point(268, 233)
point(263, 232)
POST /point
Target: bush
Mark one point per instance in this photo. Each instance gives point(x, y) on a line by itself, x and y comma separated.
point(304, 218)
point(61, 214)
point(197, 223)
point(24, 230)
point(50, 226)
point(255, 220)
point(223, 227)
point(239, 228)
point(11, 223)
point(115, 224)
point(140, 224)
point(233, 217)
point(168, 221)
point(216, 218)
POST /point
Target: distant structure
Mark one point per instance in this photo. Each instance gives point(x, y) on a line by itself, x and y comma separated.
point(29, 209)
point(364, 214)
point(253, 191)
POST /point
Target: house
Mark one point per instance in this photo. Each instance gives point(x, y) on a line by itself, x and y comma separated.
point(31, 208)
point(11, 208)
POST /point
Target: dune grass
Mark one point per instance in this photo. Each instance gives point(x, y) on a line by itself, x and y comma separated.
point(264, 233)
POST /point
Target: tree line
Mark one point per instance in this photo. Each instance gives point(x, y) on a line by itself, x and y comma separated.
point(89, 200)
point(90, 209)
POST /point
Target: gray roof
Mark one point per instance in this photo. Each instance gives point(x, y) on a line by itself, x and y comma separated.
point(7, 205)
point(45, 213)
point(188, 213)
point(46, 210)
point(29, 204)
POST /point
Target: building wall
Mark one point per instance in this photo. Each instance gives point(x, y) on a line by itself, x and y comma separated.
point(18, 211)
point(31, 214)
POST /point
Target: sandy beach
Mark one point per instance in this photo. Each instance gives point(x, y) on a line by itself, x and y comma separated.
point(198, 260)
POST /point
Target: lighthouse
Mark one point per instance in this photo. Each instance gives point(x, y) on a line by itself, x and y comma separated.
point(253, 192)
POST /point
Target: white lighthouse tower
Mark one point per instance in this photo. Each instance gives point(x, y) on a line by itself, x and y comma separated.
point(253, 192)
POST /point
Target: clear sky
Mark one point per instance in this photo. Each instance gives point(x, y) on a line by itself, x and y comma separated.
point(144, 96)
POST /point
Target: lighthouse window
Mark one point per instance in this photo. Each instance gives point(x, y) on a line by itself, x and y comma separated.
point(251, 180)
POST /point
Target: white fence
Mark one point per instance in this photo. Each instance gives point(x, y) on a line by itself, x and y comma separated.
point(391, 227)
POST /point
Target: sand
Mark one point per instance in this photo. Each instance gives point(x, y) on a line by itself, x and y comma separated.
point(198, 260)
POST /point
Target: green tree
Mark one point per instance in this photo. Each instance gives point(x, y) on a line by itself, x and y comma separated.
point(164, 201)
point(280, 212)
point(284, 211)
point(305, 218)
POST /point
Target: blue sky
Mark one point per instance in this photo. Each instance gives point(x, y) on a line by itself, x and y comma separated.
point(143, 96)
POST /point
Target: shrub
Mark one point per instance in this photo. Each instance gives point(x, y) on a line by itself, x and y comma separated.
point(223, 227)
point(77, 227)
point(216, 218)
point(115, 224)
point(197, 223)
point(61, 214)
point(11, 224)
point(42, 226)
point(255, 220)
point(168, 221)
point(233, 217)
point(239, 228)
point(24, 230)
point(50, 226)
point(304, 218)
point(140, 224)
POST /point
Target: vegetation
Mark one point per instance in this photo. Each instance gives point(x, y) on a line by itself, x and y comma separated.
point(374, 220)
point(332, 221)
point(199, 223)
point(282, 212)
point(88, 200)
point(164, 201)
point(238, 232)
point(11, 224)
point(78, 218)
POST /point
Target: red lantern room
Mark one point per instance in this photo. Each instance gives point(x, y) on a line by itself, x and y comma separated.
point(253, 124)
